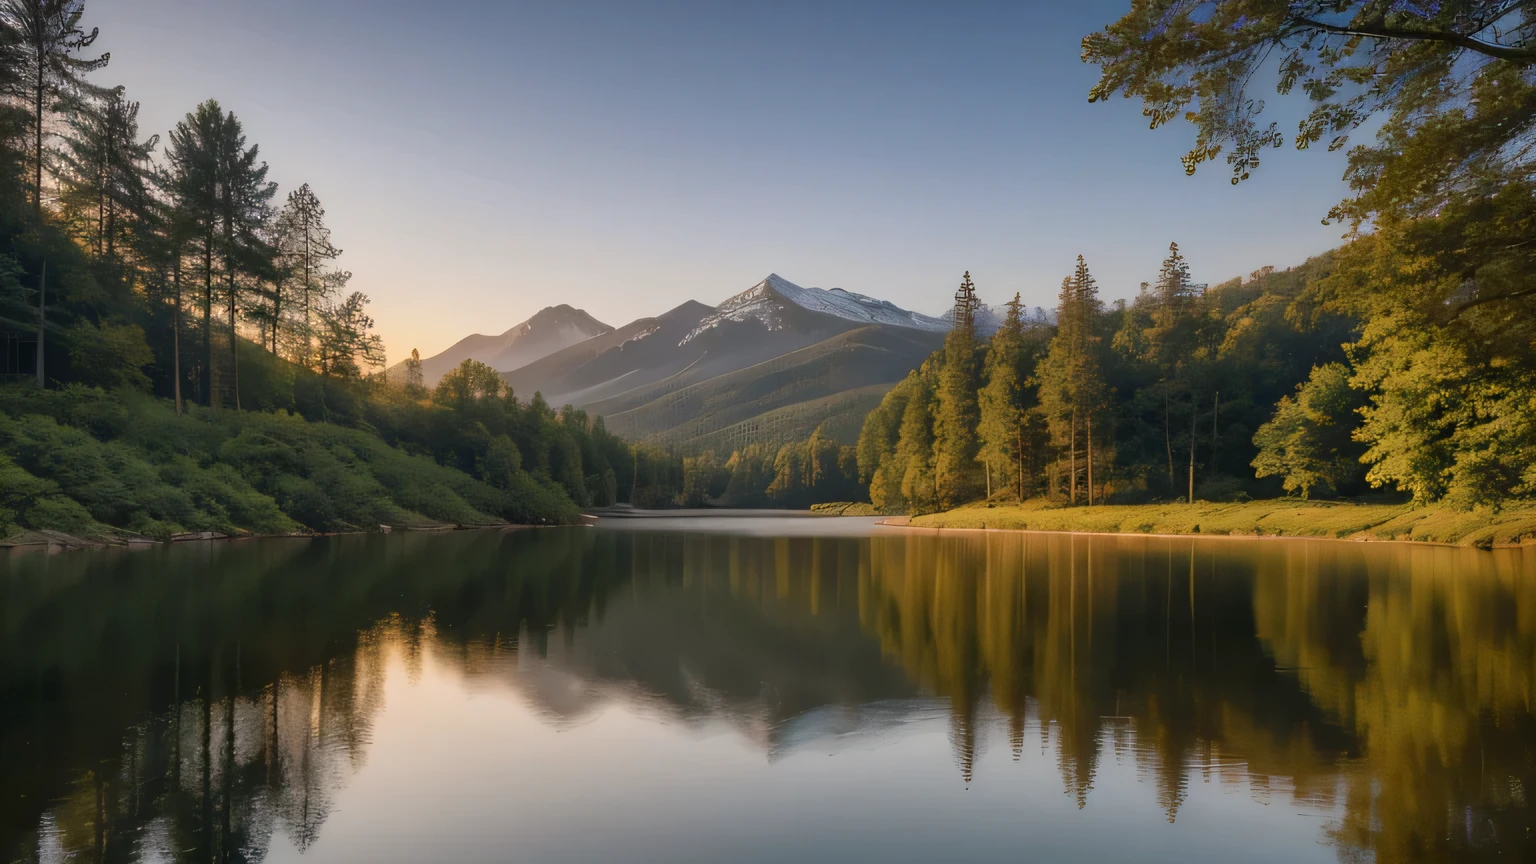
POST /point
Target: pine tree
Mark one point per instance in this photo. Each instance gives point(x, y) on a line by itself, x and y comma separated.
point(307, 253)
point(244, 206)
point(347, 347)
point(1072, 391)
point(102, 169)
point(956, 470)
point(45, 36)
point(1170, 345)
point(192, 183)
point(415, 382)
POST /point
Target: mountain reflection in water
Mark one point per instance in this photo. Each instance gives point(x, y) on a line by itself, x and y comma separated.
point(217, 702)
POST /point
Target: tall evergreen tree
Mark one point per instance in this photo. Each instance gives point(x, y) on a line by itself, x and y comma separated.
point(957, 473)
point(46, 36)
point(102, 170)
point(1170, 340)
point(1006, 436)
point(244, 206)
point(307, 252)
point(1072, 390)
point(192, 184)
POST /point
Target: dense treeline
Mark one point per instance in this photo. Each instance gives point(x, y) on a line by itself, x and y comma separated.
point(793, 475)
point(1155, 398)
point(1440, 273)
point(182, 351)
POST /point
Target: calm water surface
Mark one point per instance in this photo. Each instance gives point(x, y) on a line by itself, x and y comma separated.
point(763, 689)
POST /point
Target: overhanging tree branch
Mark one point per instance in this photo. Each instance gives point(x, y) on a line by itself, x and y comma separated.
point(1522, 56)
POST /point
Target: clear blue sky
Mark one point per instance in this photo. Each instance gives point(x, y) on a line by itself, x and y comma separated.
point(480, 160)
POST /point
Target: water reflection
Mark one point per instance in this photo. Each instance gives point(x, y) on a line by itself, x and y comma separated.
point(204, 703)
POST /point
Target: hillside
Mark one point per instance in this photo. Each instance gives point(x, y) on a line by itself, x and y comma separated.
point(639, 353)
point(851, 361)
point(551, 329)
point(698, 370)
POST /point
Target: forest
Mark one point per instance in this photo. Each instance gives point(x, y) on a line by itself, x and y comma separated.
point(1400, 364)
point(182, 352)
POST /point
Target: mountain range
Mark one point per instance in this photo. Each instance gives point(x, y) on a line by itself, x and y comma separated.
point(768, 365)
point(553, 328)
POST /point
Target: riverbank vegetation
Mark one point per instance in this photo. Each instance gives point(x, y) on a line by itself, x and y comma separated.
point(1285, 517)
point(1402, 362)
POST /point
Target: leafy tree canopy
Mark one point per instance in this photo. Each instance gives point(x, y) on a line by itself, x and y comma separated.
point(1452, 82)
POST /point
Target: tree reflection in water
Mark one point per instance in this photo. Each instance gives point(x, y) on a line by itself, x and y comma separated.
point(186, 703)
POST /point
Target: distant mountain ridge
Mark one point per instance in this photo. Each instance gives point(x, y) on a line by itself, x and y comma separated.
point(763, 302)
point(768, 364)
point(549, 330)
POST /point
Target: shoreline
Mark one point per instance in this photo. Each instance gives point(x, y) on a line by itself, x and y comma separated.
point(50, 541)
point(1281, 519)
point(1137, 535)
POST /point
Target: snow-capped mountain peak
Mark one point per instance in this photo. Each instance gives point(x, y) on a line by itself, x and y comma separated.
point(763, 302)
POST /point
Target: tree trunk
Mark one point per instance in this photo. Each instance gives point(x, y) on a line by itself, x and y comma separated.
point(207, 376)
point(1072, 470)
point(42, 321)
point(989, 479)
point(277, 311)
point(234, 344)
point(1168, 434)
point(110, 229)
point(176, 330)
point(1090, 460)
point(101, 210)
point(1215, 429)
point(37, 126)
point(308, 327)
point(1021, 461)
point(1194, 415)
point(229, 277)
point(103, 178)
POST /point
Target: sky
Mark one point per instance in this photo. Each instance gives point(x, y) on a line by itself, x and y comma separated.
point(481, 160)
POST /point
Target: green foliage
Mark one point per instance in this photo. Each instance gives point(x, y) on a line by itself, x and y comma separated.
point(1073, 393)
point(705, 480)
point(912, 479)
point(1011, 435)
point(112, 355)
point(138, 466)
point(27, 500)
point(501, 463)
point(1449, 81)
point(957, 473)
point(1308, 441)
point(1166, 407)
point(1442, 291)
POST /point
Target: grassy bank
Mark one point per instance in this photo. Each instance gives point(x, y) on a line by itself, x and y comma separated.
point(111, 466)
point(1286, 517)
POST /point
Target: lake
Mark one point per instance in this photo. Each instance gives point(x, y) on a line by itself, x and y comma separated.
point(763, 689)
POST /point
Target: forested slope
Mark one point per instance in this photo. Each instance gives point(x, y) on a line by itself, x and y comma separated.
point(180, 350)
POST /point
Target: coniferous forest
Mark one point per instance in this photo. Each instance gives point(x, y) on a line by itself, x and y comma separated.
point(183, 351)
